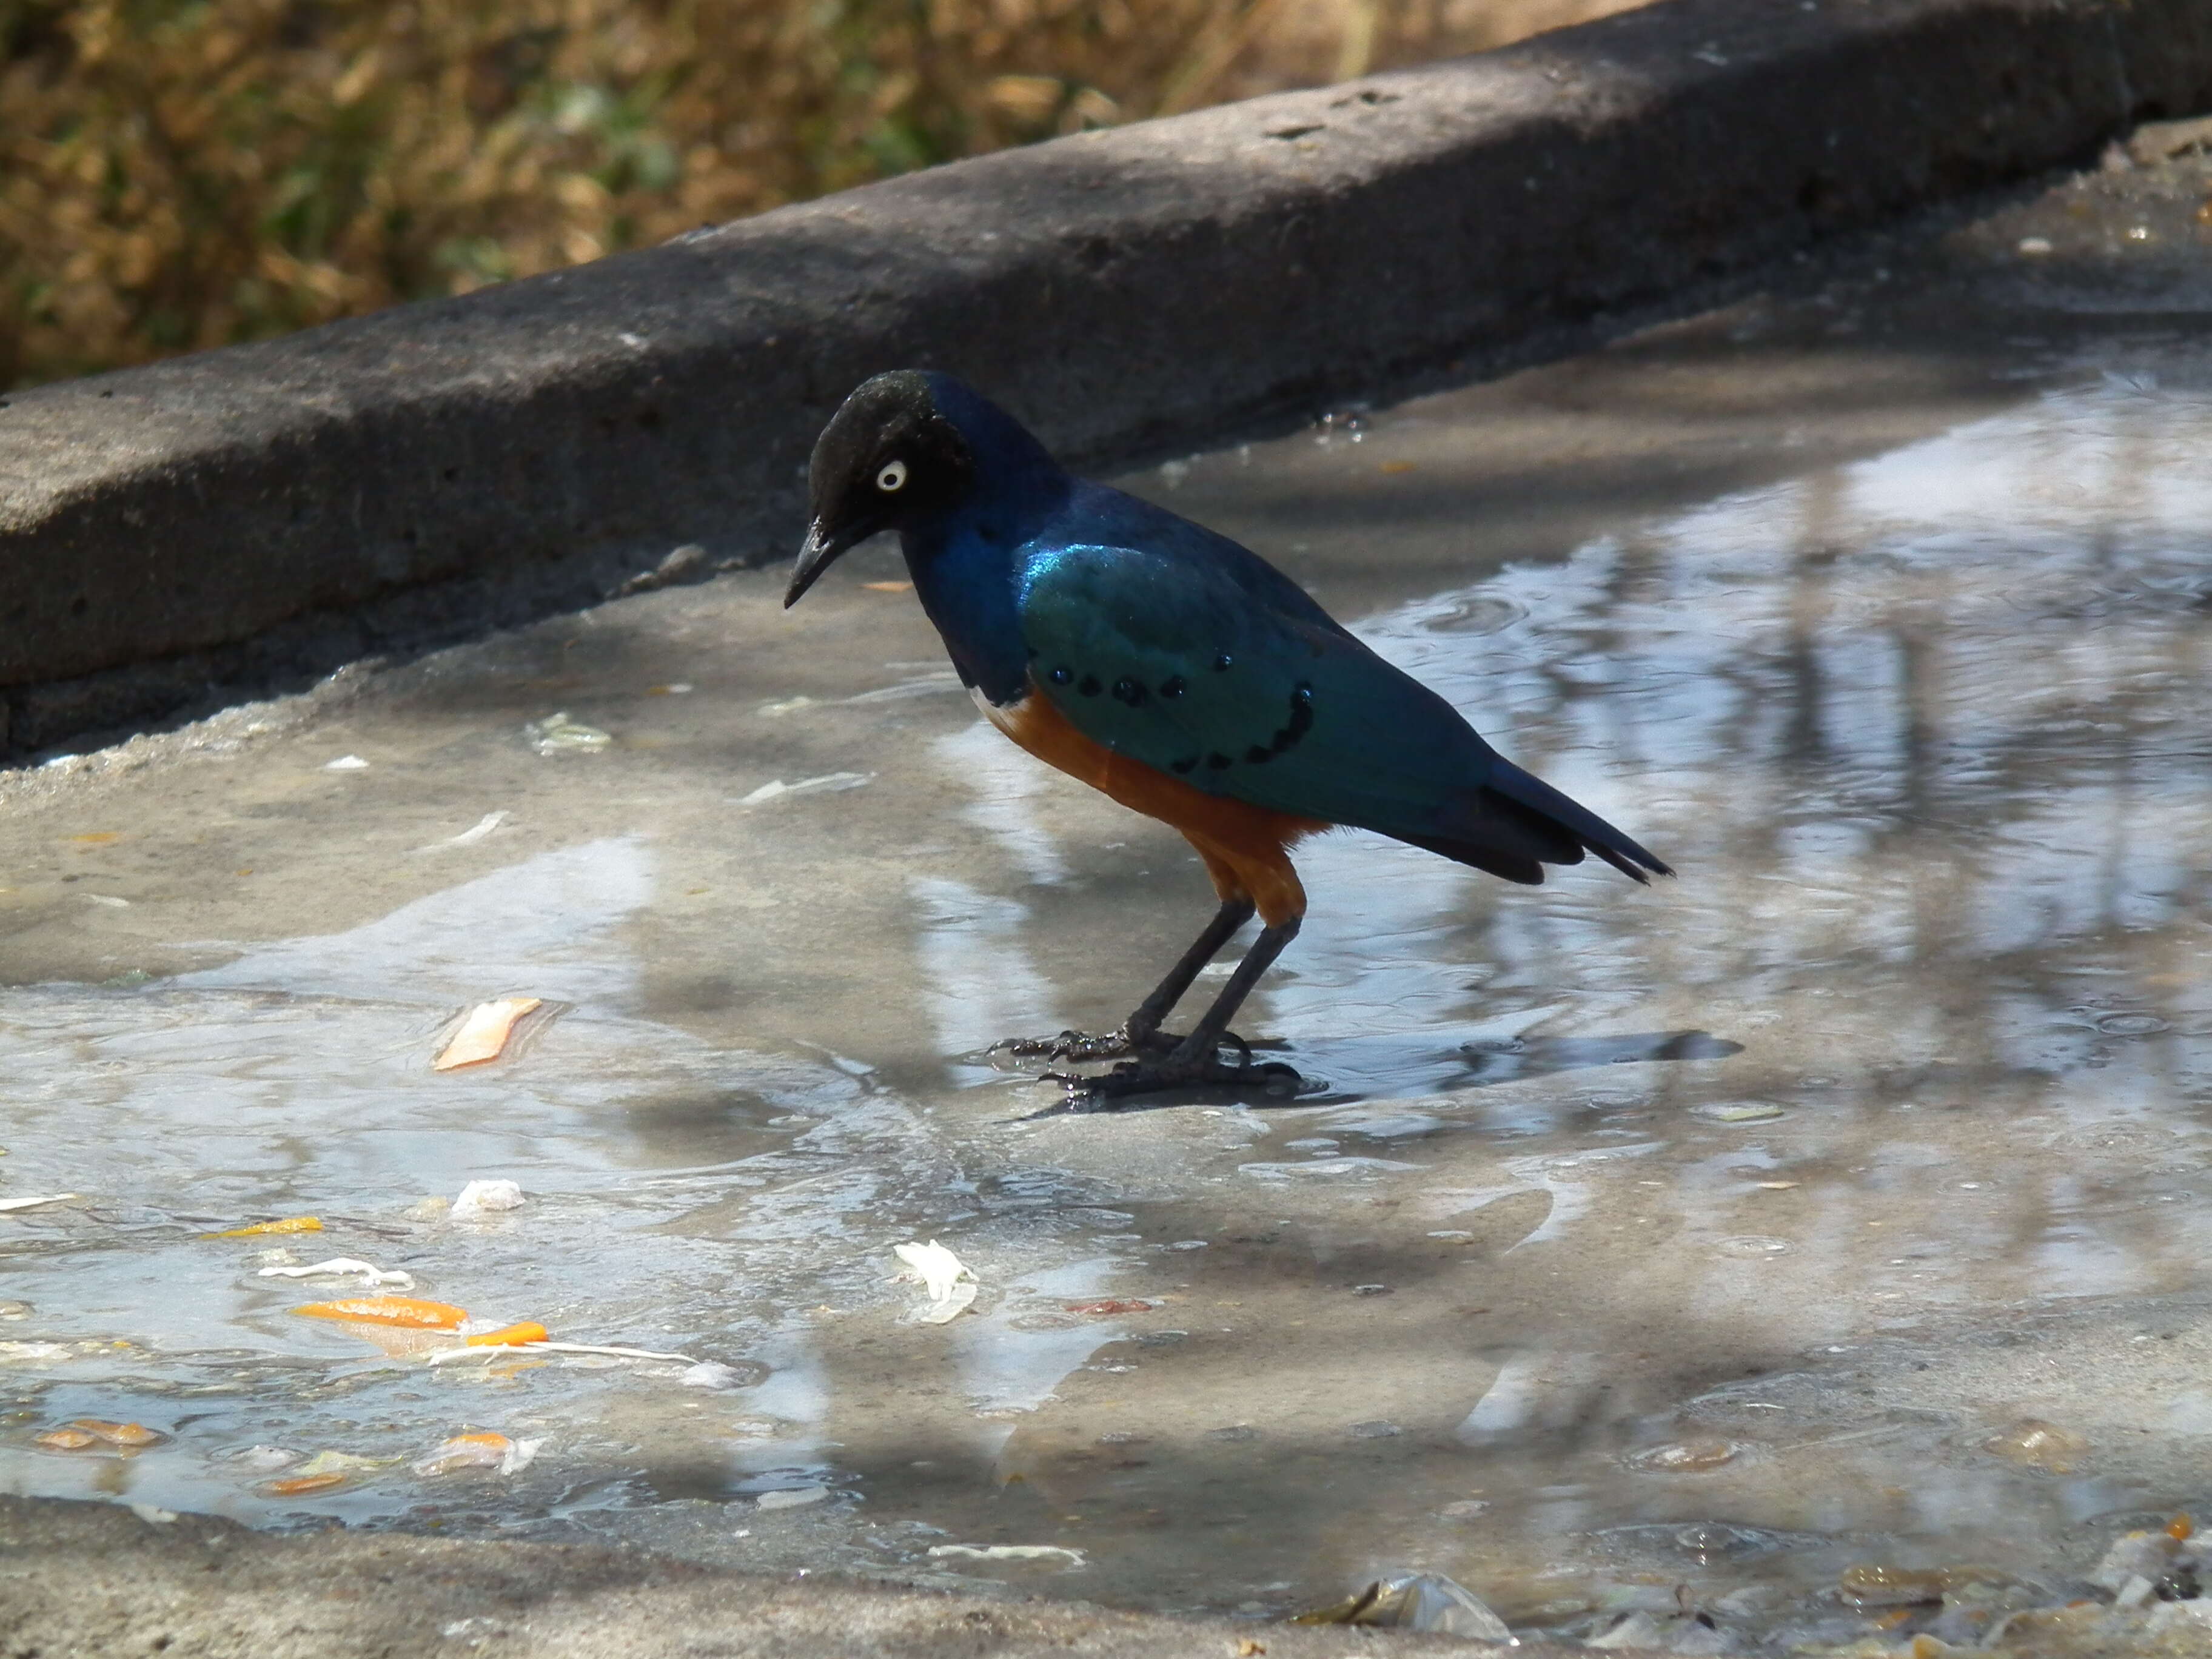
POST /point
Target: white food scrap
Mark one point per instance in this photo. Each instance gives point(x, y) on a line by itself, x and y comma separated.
point(951, 1285)
point(481, 1198)
point(344, 1267)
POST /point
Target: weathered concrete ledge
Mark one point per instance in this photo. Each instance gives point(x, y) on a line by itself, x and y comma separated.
point(280, 508)
point(97, 1579)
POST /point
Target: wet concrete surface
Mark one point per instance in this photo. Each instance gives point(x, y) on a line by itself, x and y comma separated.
point(1643, 1250)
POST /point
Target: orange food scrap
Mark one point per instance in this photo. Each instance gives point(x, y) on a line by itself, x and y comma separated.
point(407, 1312)
point(1248, 1647)
point(119, 1434)
point(66, 1440)
point(484, 1033)
point(889, 587)
point(290, 1224)
point(1112, 1305)
point(508, 1336)
point(1395, 467)
point(303, 1483)
point(98, 837)
point(2181, 1528)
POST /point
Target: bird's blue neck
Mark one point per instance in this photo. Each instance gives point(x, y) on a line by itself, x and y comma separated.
point(966, 561)
point(965, 566)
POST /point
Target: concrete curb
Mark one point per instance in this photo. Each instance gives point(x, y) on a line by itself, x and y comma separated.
point(282, 507)
point(96, 1578)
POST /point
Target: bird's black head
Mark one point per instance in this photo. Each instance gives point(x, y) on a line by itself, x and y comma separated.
point(889, 456)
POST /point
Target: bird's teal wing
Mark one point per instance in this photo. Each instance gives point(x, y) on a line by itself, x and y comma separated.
point(1181, 664)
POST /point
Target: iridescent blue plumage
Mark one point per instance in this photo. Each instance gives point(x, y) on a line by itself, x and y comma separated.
point(1181, 674)
point(1178, 648)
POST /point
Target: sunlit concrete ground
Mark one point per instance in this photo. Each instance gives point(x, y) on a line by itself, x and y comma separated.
point(1721, 1235)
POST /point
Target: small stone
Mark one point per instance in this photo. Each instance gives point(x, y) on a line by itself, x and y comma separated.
point(1466, 1509)
point(791, 1497)
point(1375, 1429)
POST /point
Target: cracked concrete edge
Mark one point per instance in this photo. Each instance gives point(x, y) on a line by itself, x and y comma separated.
point(97, 1578)
point(280, 508)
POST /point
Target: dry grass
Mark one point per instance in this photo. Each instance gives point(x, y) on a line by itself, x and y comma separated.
point(180, 173)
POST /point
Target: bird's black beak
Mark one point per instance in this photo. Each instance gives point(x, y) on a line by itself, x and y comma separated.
point(821, 550)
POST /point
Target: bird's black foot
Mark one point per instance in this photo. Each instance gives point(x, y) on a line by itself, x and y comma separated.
point(1080, 1046)
point(1104, 1092)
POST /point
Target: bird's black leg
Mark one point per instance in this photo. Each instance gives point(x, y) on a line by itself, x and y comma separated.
point(1145, 1024)
point(1140, 1033)
point(1197, 1059)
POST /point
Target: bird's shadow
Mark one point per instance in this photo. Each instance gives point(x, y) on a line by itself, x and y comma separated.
point(1509, 1060)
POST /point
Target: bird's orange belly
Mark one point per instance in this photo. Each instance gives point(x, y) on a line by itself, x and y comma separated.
point(1246, 847)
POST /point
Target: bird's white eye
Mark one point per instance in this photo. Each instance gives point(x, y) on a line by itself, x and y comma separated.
point(891, 477)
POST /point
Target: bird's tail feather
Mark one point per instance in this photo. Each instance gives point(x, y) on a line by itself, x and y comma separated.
point(1516, 823)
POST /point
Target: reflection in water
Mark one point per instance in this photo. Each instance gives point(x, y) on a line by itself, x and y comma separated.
point(1696, 1234)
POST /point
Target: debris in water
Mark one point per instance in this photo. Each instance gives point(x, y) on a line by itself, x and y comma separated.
point(290, 1224)
point(1897, 1587)
point(889, 587)
point(484, 1032)
point(481, 1198)
point(508, 1336)
point(712, 1374)
point(344, 1267)
point(1009, 1552)
point(828, 782)
point(346, 764)
point(20, 1351)
point(470, 836)
point(65, 1440)
point(1112, 1305)
point(132, 1435)
point(447, 1355)
point(1683, 1456)
point(405, 1312)
point(300, 1485)
point(557, 734)
point(325, 1470)
point(792, 1498)
point(1415, 1600)
point(951, 1285)
point(33, 1203)
point(1739, 1111)
point(2135, 1555)
point(2035, 1445)
point(477, 1451)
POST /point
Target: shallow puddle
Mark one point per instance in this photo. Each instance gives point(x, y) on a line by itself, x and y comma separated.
point(1640, 1250)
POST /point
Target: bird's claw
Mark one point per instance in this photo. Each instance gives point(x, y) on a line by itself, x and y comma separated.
point(1081, 1046)
point(1068, 1045)
point(1103, 1091)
